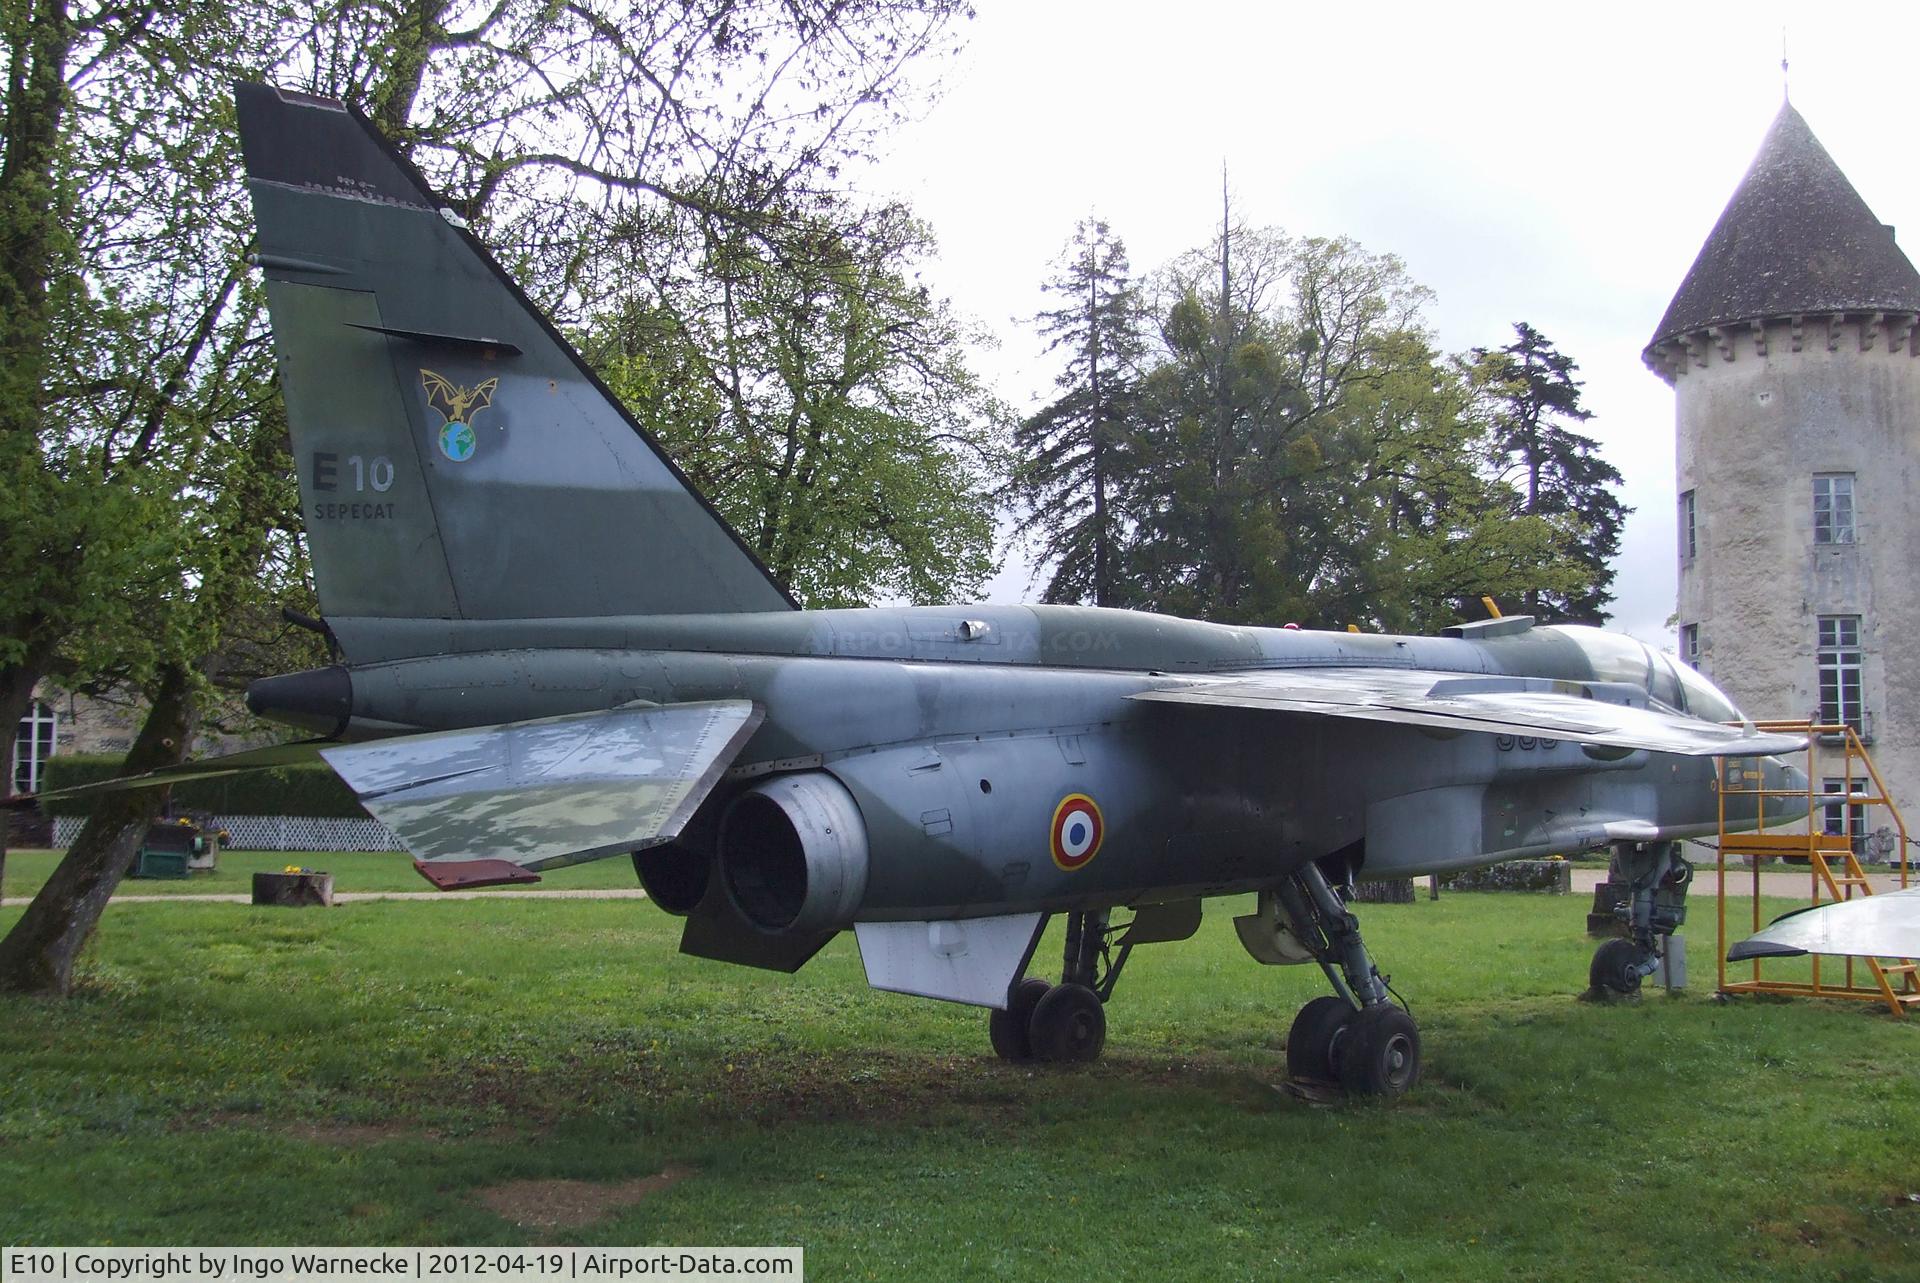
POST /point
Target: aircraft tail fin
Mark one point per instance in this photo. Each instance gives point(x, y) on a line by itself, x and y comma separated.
point(456, 457)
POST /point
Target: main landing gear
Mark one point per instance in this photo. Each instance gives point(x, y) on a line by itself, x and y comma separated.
point(1064, 1023)
point(1357, 1036)
point(1658, 876)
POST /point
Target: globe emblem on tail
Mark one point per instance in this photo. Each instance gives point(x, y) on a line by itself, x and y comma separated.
point(456, 441)
point(457, 407)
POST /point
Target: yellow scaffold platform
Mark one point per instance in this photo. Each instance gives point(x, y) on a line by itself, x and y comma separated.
point(1835, 824)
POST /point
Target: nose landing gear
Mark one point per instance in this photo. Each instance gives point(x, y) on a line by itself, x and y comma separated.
point(1658, 877)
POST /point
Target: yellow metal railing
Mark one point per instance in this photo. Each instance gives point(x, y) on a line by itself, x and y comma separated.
point(1898, 983)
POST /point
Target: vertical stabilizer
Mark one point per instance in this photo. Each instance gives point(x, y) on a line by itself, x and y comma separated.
point(456, 457)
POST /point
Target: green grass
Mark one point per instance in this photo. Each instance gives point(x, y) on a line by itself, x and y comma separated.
point(238, 1075)
point(352, 871)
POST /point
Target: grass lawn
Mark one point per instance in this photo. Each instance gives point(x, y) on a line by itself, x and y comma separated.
point(352, 871)
point(408, 1072)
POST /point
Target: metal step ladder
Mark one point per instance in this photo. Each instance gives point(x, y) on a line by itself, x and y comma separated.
point(1895, 982)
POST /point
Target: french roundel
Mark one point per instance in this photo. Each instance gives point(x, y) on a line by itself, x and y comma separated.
point(1078, 829)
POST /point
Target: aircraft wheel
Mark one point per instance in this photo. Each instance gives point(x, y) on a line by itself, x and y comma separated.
point(1615, 968)
point(1379, 1054)
point(1310, 1040)
point(1008, 1029)
point(1069, 1025)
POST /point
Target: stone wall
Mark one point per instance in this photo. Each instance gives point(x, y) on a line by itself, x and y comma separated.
point(1555, 877)
point(1758, 413)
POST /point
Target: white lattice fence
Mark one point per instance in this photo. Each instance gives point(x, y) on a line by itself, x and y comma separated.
point(276, 833)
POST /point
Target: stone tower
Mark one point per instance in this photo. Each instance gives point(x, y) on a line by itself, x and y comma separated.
point(1793, 349)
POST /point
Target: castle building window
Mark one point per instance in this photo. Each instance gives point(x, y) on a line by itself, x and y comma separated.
point(1833, 507)
point(1688, 542)
point(32, 746)
point(1838, 660)
point(1690, 644)
point(1840, 818)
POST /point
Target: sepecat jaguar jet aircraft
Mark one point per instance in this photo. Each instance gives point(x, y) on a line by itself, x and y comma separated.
point(552, 649)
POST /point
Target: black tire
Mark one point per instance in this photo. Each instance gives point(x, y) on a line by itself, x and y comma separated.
point(1379, 1054)
point(1007, 1029)
point(1310, 1041)
point(1069, 1025)
point(1615, 969)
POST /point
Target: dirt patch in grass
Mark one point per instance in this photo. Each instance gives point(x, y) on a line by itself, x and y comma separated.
point(564, 1204)
point(787, 1086)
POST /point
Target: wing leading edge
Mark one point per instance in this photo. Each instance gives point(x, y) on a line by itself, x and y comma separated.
point(1875, 926)
point(1598, 713)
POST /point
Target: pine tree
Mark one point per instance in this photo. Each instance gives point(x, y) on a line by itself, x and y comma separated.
point(1528, 390)
point(1072, 452)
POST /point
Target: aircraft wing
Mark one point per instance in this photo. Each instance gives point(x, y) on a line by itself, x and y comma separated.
point(1873, 926)
point(1585, 712)
point(489, 804)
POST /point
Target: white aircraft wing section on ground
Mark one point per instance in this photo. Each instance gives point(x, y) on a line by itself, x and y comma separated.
point(1874, 926)
point(532, 795)
point(1601, 713)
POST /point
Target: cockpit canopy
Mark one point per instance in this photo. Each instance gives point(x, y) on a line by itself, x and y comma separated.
point(1619, 658)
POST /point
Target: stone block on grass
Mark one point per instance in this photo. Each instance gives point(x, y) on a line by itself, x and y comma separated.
point(293, 890)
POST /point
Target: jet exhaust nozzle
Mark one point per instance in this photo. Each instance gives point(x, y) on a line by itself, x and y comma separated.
point(793, 853)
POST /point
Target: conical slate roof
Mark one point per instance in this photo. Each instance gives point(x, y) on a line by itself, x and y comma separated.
point(1795, 239)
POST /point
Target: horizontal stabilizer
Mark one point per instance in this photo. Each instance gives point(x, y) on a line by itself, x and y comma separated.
point(1874, 926)
point(298, 753)
point(556, 791)
point(1583, 712)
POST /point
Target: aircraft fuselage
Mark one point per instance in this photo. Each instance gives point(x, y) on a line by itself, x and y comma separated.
point(959, 732)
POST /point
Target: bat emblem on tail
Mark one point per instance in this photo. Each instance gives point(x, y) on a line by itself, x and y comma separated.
point(457, 407)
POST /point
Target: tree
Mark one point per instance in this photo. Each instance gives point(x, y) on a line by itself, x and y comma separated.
point(114, 290)
point(551, 126)
point(124, 227)
point(1072, 451)
point(1530, 397)
point(1306, 456)
point(1259, 417)
point(820, 398)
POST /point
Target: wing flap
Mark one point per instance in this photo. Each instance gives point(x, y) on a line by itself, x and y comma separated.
point(1584, 712)
point(545, 793)
point(1875, 926)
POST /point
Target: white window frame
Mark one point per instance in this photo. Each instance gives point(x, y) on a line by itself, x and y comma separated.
point(36, 733)
point(1835, 515)
point(1845, 819)
point(1838, 664)
point(1690, 646)
point(1689, 530)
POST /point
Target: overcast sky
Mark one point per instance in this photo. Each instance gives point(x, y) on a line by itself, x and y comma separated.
point(1535, 162)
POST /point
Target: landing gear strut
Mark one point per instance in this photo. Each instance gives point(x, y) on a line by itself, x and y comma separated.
point(1357, 1036)
point(1658, 876)
point(1064, 1023)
